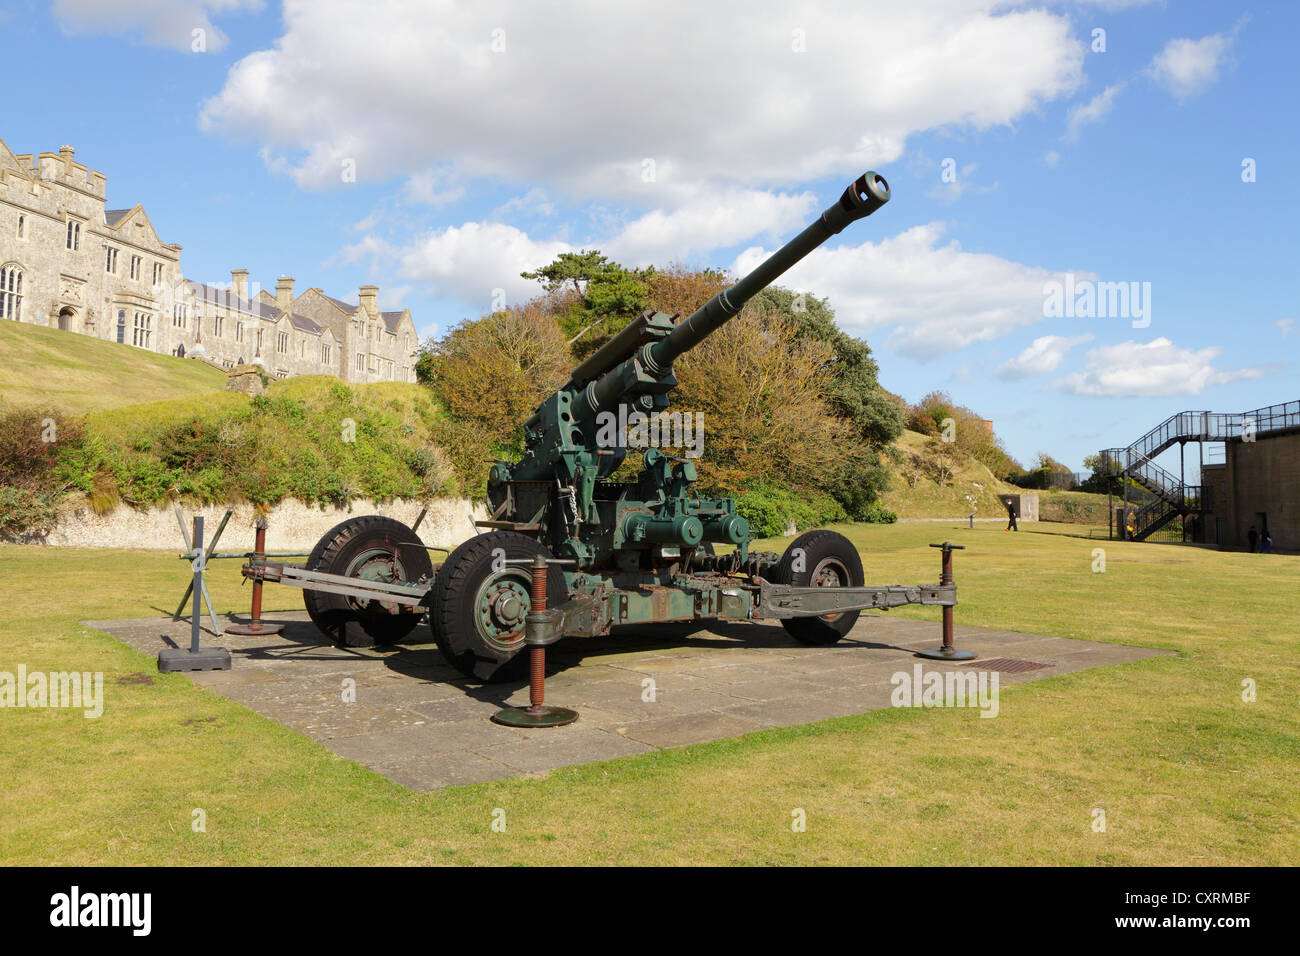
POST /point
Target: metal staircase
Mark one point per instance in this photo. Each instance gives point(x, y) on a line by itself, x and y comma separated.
point(1173, 497)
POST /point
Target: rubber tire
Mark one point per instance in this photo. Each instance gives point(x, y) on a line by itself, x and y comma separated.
point(817, 546)
point(334, 614)
point(454, 611)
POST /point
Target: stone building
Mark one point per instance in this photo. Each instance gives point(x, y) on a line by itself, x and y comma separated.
point(68, 262)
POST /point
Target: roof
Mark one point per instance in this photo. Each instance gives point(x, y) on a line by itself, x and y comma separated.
point(115, 216)
point(390, 318)
point(347, 307)
point(262, 310)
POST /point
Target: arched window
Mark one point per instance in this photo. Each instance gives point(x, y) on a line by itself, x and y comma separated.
point(121, 326)
point(11, 291)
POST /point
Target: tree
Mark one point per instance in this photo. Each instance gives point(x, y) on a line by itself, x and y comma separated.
point(856, 391)
point(490, 374)
point(604, 296)
point(576, 268)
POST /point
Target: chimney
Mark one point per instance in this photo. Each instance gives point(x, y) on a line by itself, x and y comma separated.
point(66, 152)
point(370, 298)
point(239, 282)
point(284, 293)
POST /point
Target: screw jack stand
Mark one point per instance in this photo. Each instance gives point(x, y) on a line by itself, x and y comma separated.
point(195, 658)
point(946, 652)
point(537, 713)
point(256, 627)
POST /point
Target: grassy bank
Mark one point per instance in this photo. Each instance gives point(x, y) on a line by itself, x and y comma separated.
point(77, 373)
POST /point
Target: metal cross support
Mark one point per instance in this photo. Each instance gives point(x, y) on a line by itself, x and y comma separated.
point(947, 652)
point(192, 555)
point(541, 627)
point(256, 627)
point(196, 658)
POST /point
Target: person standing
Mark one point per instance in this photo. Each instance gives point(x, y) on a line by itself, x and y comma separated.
point(1266, 543)
point(1252, 538)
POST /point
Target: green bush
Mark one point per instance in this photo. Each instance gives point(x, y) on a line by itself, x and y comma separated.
point(770, 508)
point(24, 511)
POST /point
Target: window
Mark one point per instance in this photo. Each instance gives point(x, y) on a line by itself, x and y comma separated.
point(141, 330)
point(11, 292)
point(136, 261)
point(361, 362)
point(282, 342)
point(22, 227)
point(239, 334)
point(74, 235)
point(110, 260)
point(157, 273)
point(325, 353)
point(218, 323)
point(259, 340)
point(178, 315)
point(121, 325)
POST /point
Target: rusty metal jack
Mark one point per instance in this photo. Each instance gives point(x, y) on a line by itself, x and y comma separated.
point(541, 627)
point(947, 652)
point(256, 627)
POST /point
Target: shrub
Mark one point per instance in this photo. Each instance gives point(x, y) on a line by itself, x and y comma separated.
point(771, 508)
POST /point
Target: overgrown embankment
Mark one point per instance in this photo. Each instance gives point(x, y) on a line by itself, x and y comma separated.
point(312, 439)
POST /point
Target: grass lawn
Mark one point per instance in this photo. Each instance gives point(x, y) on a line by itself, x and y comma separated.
point(76, 373)
point(1186, 771)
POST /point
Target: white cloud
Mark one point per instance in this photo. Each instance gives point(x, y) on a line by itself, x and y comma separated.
point(706, 222)
point(964, 183)
point(431, 187)
point(469, 263)
point(168, 23)
point(1188, 67)
point(1052, 158)
point(934, 298)
point(1148, 369)
point(1043, 355)
point(1095, 110)
point(713, 94)
point(1284, 326)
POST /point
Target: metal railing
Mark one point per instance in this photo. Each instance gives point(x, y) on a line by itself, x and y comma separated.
point(1216, 427)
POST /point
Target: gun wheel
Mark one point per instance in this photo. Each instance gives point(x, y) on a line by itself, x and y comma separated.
point(824, 559)
point(479, 604)
point(373, 548)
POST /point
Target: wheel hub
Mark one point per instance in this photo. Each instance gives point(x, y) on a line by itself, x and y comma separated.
point(503, 603)
point(829, 573)
point(381, 565)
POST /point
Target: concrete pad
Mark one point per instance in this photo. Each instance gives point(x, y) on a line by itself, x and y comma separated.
point(418, 722)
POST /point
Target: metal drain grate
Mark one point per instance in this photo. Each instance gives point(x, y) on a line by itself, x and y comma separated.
point(1007, 665)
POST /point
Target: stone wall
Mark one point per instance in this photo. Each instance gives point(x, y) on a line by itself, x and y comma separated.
point(293, 525)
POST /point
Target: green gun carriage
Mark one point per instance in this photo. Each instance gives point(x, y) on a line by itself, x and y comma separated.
point(619, 552)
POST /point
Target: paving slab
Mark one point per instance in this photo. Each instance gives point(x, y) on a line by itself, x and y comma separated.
point(403, 712)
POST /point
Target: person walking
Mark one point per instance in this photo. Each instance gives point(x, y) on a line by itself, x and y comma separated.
point(1011, 515)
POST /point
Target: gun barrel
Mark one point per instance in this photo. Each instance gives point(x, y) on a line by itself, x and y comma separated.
point(864, 196)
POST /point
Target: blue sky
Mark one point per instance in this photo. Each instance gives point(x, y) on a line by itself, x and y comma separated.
point(436, 149)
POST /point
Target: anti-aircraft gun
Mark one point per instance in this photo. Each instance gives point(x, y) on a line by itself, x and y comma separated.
point(619, 552)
